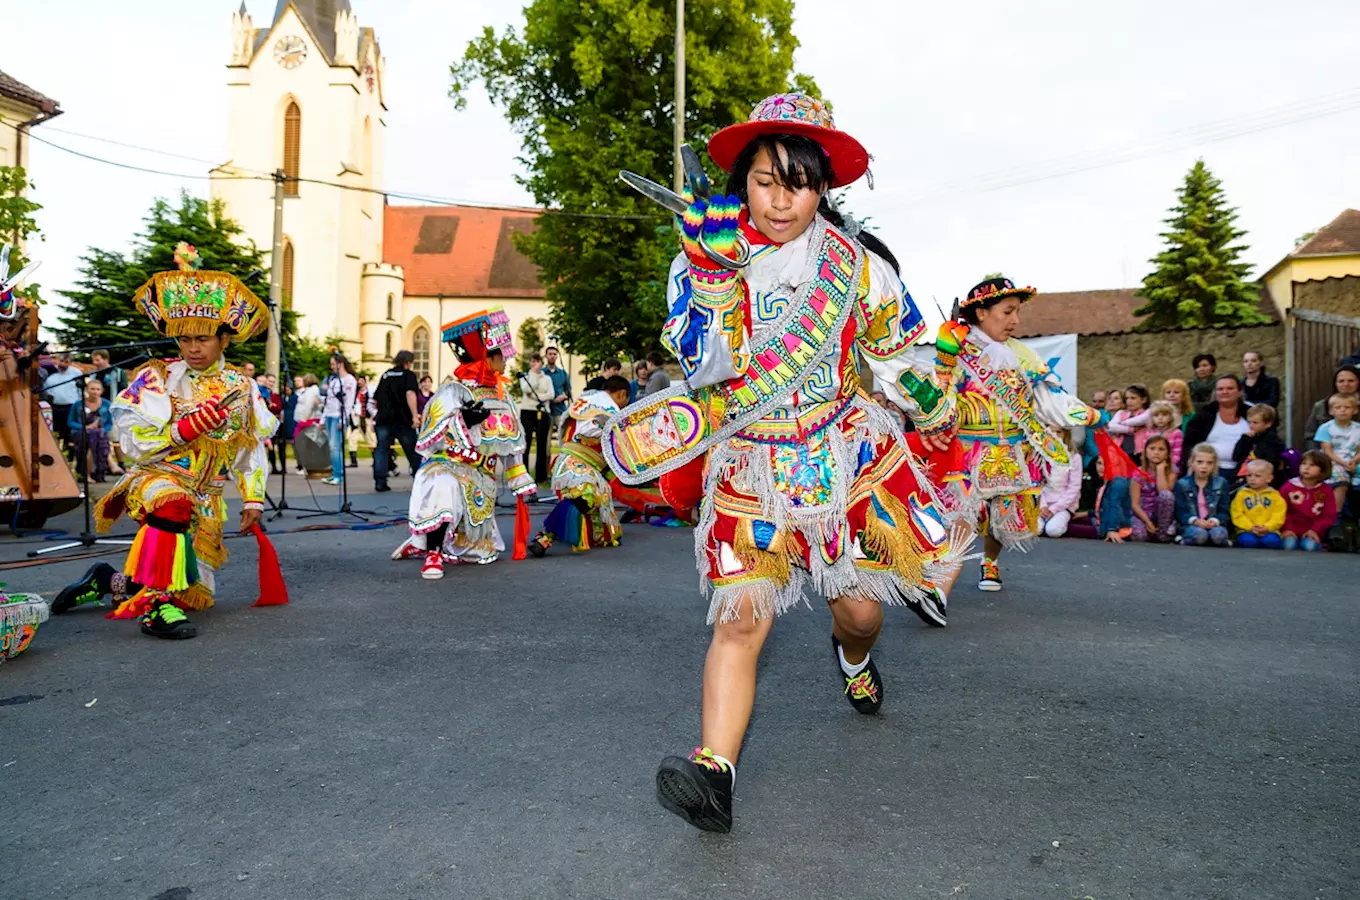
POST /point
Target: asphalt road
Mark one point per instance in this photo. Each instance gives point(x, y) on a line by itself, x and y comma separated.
point(1120, 722)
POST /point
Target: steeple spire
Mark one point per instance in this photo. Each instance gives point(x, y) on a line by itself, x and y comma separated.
point(320, 16)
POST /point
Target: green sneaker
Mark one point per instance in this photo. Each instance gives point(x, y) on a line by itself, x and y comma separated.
point(166, 620)
point(89, 589)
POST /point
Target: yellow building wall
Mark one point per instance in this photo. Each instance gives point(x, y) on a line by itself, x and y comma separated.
point(1307, 268)
point(11, 116)
point(433, 312)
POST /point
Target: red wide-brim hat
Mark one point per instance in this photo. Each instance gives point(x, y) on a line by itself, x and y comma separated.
point(793, 113)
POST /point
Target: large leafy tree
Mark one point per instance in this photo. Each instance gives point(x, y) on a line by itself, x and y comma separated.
point(99, 311)
point(589, 86)
point(1199, 281)
point(17, 223)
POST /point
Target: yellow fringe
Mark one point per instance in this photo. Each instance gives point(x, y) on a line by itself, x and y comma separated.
point(893, 544)
point(208, 542)
point(194, 597)
point(134, 553)
point(773, 564)
point(178, 581)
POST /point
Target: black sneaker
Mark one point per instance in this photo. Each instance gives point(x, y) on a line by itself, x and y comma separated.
point(538, 547)
point(166, 620)
point(990, 578)
point(698, 790)
point(865, 690)
point(381, 488)
point(92, 586)
point(932, 607)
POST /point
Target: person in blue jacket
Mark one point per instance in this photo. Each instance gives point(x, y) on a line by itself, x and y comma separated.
point(1204, 500)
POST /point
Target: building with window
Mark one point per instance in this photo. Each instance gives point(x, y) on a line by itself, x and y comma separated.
point(305, 97)
point(21, 107)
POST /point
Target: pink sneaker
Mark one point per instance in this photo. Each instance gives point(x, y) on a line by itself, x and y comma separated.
point(434, 566)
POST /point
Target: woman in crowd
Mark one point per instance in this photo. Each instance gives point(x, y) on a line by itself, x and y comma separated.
point(426, 392)
point(1220, 425)
point(1202, 385)
point(1177, 393)
point(1257, 386)
point(91, 422)
point(1347, 383)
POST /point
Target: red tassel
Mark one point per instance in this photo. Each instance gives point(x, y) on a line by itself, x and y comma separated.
point(273, 591)
point(1117, 462)
point(522, 526)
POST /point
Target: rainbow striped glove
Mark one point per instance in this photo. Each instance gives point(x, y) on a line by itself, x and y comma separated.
point(717, 220)
point(948, 341)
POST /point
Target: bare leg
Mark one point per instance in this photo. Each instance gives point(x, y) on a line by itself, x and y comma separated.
point(991, 547)
point(730, 680)
point(856, 624)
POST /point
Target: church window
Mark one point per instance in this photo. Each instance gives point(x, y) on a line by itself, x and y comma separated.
point(292, 147)
point(287, 274)
point(420, 346)
point(387, 346)
point(367, 157)
point(391, 298)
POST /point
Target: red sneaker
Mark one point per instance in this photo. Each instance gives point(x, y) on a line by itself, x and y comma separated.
point(408, 550)
point(434, 566)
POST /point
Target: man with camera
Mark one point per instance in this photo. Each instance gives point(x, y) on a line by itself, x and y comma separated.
point(535, 398)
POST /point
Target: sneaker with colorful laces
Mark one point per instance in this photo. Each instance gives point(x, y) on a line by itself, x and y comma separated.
point(166, 620)
point(990, 579)
point(540, 545)
point(92, 586)
point(865, 690)
point(698, 789)
point(433, 569)
point(409, 550)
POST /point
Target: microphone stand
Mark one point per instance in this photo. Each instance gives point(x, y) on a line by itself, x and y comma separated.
point(87, 537)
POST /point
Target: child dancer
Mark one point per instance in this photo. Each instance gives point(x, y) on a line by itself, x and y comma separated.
point(1203, 504)
point(453, 500)
point(1258, 510)
point(1310, 504)
point(584, 515)
point(1164, 422)
point(1152, 493)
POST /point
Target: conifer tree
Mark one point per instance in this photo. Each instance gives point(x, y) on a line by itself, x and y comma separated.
point(1199, 281)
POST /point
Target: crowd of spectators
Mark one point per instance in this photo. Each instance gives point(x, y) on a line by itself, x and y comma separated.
point(1212, 469)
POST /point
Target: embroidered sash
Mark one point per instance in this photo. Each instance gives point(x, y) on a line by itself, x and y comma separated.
point(1009, 388)
point(665, 431)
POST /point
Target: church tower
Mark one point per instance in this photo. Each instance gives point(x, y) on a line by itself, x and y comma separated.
point(305, 95)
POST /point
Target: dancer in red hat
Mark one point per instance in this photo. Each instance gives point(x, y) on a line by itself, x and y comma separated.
point(807, 481)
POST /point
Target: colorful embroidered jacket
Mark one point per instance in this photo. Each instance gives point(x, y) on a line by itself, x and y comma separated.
point(162, 393)
point(500, 436)
point(712, 342)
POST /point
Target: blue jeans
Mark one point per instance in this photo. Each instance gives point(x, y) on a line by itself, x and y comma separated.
point(1193, 534)
point(1268, 541)
point(1297, 543)
point(382, 454)
point(335, 437)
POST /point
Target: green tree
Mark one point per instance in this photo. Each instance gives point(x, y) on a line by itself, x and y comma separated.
point(17, 223)
point(589, 87)
point(1199, 281)
point(99, 310)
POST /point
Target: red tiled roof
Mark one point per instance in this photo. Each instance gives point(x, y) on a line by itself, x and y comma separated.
point(1093, 312)
point(460, 251)
point(17, 90)
point(1341, 235)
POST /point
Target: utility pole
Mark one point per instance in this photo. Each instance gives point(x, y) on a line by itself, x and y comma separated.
point(272, 336)
point(679, 93)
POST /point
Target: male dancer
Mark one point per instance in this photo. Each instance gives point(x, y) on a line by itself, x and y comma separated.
point(186, 424)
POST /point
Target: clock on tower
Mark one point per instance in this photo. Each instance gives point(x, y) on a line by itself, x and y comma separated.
point(290, 51)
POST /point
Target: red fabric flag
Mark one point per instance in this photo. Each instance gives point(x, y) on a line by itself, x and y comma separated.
point(684, 487)
point(522, 527)
point(1117, 462)
point(273, 591)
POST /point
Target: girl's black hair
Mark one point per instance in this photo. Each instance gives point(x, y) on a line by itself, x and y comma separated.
point(804, 165)
point(1139, 389)
point(969, 314)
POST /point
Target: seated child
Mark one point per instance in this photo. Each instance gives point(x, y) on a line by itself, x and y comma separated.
point(1310, 505)
point(1261, 441)
point(1109, 514)
point(1339, 438)
point(1202, 500)
point(1151, 491)
point(1062, 490)
point(1162, 423)
point(1258, 510)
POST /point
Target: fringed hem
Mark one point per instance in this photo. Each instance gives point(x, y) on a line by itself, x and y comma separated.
point(23, 609)
point(762, 595)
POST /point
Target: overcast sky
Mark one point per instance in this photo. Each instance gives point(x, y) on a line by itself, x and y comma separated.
point(963, 105)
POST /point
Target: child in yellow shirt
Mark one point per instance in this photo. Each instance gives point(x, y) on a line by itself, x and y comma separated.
point(1258, 509)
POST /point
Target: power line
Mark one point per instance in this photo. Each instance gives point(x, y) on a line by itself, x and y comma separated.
point(421, 198)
